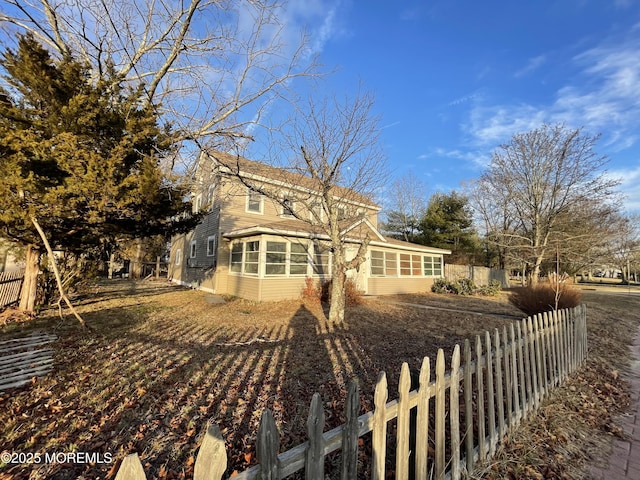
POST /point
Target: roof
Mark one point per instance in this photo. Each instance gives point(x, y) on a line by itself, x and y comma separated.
point(292, 179)
point(296, 228)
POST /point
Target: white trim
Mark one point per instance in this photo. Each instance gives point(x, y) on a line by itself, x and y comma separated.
point(260, 202)
point(366, 222)
point(193, 249)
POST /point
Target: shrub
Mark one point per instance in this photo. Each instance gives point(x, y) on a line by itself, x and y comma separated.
point(542, 298)
point(321, 291)
point(490, 290)
point(310, 291)
point(463, 286)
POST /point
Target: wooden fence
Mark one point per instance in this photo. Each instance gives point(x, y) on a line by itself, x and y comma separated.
point(450, 423)
point(10, 284)
point(479, 275)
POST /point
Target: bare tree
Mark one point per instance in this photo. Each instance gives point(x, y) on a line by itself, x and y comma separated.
point(408, 205)
point(213, 66)
point(536, 180)
point(334, 155)
point(624, 244)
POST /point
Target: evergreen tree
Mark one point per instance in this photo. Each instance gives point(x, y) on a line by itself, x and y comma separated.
point(78, 158)
point(448, 223)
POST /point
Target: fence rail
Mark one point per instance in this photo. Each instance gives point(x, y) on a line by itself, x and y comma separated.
point(10, 284)
point(503, 377)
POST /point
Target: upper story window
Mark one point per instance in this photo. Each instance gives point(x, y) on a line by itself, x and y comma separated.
point(197, 204)
point(194, 249)
point(288, 207)
point(255, 202)
point(210, 196)
point(211, 245)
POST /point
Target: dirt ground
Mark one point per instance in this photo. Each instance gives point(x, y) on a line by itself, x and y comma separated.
point(161, 361)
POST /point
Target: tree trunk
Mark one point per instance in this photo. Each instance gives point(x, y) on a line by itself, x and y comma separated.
point(336, 308)
point(30, 282)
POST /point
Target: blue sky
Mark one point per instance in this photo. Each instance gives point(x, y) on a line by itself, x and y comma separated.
point(454, 79)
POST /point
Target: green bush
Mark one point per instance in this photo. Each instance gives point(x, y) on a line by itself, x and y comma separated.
point(542, 298)
point(490, 290)
point(465, 286)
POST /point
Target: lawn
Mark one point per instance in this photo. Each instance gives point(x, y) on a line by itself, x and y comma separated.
point(160, 361)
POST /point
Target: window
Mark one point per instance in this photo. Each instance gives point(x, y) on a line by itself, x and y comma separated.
point(391, 264)
point(432, 266)
point(197, 204)
point(210, 196)
point(211, 245)
point(251, 256)
point(342, 213)
point(405, 264)
point(298, 259)
point(383, 263)
point(377, 262)
point(178, 256)
point(276, 258)
point(288, 207)
point(254, 202)
point(321, 259)
point(236, 257)
point(416, 267)
point(193, 249)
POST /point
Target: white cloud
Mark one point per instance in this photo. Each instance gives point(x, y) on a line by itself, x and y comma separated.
point(629, 186)
point(533, 64)
point(606, 100)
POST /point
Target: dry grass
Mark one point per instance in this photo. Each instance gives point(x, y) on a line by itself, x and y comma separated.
point(543, 297)
point(162, 361)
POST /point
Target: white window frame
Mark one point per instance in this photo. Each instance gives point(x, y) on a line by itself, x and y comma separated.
point(287, 211)
point(197, 206)
point(212, 240)
point(193, 249)
point(178, 256)
point(237, 265)
point(260, 201)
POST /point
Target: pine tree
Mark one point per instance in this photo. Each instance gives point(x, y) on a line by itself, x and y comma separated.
point(78, 157)
point(448, 223)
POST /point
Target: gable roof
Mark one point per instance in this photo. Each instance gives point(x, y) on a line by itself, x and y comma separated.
point(237, 165)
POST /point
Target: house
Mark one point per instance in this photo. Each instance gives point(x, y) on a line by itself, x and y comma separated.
point(251, 246)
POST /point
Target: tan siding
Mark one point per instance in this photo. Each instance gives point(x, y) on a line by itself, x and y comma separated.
point(245, 287)
point(277, 288)
point(395, 285)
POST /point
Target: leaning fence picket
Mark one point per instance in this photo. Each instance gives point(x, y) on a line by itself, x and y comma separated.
point(480, 399)
point(440, 417)
point(454, 415)
point(491, 402)
point(499, 390)
point(515, 371)
point(422, 420)
point(468, 403)
point(350, 434)
point(404, 412)
point(379, 427)
point(314, 461)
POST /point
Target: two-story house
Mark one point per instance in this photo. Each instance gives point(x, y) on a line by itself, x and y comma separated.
point(252, 246)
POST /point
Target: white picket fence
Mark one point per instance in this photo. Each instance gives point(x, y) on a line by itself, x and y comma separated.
point(460, 417)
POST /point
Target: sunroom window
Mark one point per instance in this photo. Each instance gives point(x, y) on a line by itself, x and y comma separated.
point(276, 258)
